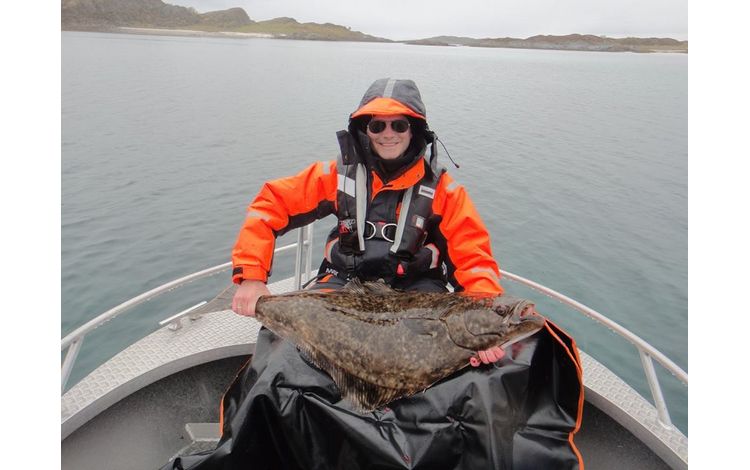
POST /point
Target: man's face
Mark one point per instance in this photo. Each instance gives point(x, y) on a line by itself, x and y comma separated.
point(388, 143)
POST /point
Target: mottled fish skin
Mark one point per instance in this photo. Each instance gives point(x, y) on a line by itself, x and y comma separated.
point(379, 344)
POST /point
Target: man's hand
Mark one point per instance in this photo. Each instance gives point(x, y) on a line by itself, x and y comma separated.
point(487, 356)
point(247, 295)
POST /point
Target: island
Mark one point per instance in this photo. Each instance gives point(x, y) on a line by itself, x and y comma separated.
point(159, 18)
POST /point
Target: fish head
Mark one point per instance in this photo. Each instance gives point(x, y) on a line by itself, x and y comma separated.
point(499, 321)
point(516, 318)
point(485, 321)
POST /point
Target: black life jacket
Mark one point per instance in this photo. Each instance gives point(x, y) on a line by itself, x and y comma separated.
point(370, 242)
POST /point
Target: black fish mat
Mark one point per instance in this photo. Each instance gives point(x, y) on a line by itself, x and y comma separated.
point(281, 412)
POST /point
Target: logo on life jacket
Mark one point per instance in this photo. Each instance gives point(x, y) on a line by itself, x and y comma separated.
point(426, 191)
point(347, 225)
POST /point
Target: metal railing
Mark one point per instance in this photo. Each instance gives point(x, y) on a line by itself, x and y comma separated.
point(72, 342)
point(303, 261)
point(647, 352)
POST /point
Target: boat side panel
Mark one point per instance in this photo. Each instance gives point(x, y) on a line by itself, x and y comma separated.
point(625, 406)
point(148, 427)
point(605, 444)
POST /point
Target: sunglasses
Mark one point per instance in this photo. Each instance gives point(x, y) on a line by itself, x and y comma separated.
point(400, 126)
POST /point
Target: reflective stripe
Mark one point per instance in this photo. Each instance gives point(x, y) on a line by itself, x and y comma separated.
point(435, 255)
point(405, 203)
point(346, 185)
point(453, 185)
point(488, 270)
point(326, 168)
point(257, 214)
point(361, 198)
point(388, 92)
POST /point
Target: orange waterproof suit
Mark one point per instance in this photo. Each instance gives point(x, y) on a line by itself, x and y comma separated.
point(292, 202)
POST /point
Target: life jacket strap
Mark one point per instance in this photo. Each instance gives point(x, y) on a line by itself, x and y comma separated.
point(351, 196)
point(416, 211)
point(361, 197)
point(405, 206)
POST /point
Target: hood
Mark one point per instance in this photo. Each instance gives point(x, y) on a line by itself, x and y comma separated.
point(388, 96)
point(392, 96)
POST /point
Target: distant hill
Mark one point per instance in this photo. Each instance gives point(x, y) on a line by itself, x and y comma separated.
point(157, 17)
point(571, 42)
point(110, 15)
point(289, 28)
point(232, 18)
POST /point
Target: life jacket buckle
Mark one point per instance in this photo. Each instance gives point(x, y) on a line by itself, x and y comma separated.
point(382, 230)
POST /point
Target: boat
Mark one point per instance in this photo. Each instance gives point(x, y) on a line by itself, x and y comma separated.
point(158, 398)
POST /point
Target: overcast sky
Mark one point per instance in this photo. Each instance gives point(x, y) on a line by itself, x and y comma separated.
point(412, 19)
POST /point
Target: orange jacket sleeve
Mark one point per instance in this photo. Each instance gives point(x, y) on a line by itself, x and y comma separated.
point(281, 205)
point(466, 240)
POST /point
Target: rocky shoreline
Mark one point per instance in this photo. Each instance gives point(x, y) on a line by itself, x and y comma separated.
point(158, 18)
point(571, 42)
point(190, 32)
point(611, 44)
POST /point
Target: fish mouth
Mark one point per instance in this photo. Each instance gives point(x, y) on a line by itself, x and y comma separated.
point(526, 315)
point(522, 323)
point(521, 312)
point(529, 325)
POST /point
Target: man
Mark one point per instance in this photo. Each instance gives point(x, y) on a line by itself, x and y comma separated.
point(401, 217)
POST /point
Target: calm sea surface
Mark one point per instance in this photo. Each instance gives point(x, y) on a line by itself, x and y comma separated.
point(577, 162)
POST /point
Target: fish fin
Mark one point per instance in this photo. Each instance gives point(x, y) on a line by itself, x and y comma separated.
point(354, 285)
point(379, 287)
point(368, 287)
point(363, 396)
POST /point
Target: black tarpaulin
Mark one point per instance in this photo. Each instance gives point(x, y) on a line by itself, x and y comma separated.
point(282, 412)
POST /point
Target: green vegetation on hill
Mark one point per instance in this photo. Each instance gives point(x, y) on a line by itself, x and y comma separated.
point(289, 28)
point(111, 15)
point(95, 14)
point(571, 42)
point(228, 19)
